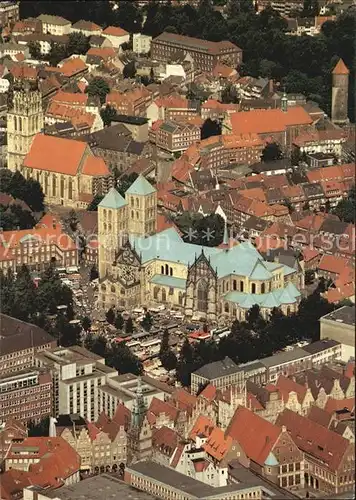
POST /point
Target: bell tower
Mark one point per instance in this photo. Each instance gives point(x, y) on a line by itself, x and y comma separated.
point(340, 94)
point(141, 198)
point(24, 121)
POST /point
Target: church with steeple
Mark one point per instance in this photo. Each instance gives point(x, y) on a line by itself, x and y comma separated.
point(340, 94)
point(139, 435)
point(140, 266)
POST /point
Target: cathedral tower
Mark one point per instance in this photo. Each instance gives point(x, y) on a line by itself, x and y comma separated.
point(112, 228)
point(24, 121)
point(141, 198)
point(139, 436)
point(340, 92)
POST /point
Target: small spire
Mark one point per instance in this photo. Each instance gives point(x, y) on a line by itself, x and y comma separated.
point(226, 236)
point(217, 185)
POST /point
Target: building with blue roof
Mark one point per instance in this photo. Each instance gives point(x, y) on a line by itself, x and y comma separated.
point(146, 268)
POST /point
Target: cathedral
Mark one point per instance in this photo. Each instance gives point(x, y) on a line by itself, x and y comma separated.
point(138, 266)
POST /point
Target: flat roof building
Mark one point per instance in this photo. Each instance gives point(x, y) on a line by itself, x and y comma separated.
point(339, 325)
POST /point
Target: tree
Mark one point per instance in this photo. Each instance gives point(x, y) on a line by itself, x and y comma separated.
point(130, 17)
point(57, 53)
point(72, 220)
point(129, 70)
point(309, 276)
point(125, 182)
point(96, 344)
point(185, 365)
point(122, 359)
point(271, 152)
point(24, 295)
point(78, 44)
point(94, 274)
point(38, 430)
point(346, 208)
point(110, 316)
point(108, 114)
point(15, 217)
point(86, 323)
point(35, 50)
point(229, 95)
point(119, 321)
point(166, 356)
point(93, 205)
point(68, 333)
point(129, 325)
point(147, 321)
point(51, 292)
point(210, 128)
point(254, 319)
point(98, 87)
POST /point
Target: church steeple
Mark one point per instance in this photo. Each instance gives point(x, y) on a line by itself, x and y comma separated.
point(226, 235)
point(139, 406)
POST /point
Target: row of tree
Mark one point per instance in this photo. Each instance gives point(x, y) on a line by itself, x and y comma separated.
point(21, 298)
point(255, 338)
point(27, 190)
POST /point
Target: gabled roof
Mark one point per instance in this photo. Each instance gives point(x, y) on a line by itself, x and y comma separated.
point(141, 186)
point(255, 435)
point(113, 199)
point(314, 439)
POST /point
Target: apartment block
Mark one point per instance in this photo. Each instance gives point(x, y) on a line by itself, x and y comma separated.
point(19, 343)
point(141, 44)
point(77, 375)
point(174, 137)
point(206, 55)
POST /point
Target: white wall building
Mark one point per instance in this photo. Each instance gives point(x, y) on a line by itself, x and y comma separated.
point(141, 44)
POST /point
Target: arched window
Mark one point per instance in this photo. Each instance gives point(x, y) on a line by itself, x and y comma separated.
point(241, 286)
point(170, 271)
point(137, 202)
point(263, 288)
point(132, 201)
point(103, 288)
point(54, 185)
point(46, 184)
point(226, 307)
point(288, 311)
point(70, 189)
point(15, 123)
point(164, 295)
point(137, 216)
point(132, 214)
point(180, 298)
point(166, 270)
point(162, 269)
point(20, 124)
point(36, 123)
point(62, 187)
point(104, 213)
point(155, 292)
point(113, 289)
point(234, 285)
point(110, 214)
point(202, 296)
point(253, 287)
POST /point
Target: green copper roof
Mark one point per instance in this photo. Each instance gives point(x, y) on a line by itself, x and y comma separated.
point(171, 281)
point(260, 272)
point(271, 460)
point(287, 295)
point(141, 186)
point(113, 199)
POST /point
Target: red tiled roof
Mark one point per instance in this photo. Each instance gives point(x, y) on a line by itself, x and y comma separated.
point(255, 435)
point(183, 399)
point(55, 154)
point(105, 52)
point(165, 439)
point(335, 295)
point(333, 264)
point(309, 254)
point(114, 31)
point(122, 415)
point(350, 369)
point(209, 392)
point(314, 439)
point(95, 166)
point(203, 427)
point(158, 406)
point(333, 405)
point(93, 431)
point(70, 98)
point(253, 403)
point(72, 67)
point(217, 444)
point(286, 386)
point(268, 120)
point(319, 416)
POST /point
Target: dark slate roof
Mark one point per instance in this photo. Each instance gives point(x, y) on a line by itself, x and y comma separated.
point(218, 369)
point(115, 138)
point(333, 226)
point(256, 223)
point(131, 120)
point(69, 419)
point(312, 189)
point(283, 256)
point(320, 345)
point(16, 335)
point(345, 314)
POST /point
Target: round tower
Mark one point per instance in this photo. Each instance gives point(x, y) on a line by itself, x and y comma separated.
point(340, 93)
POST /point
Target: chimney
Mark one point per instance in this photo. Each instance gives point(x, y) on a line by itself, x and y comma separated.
point(284, 428)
